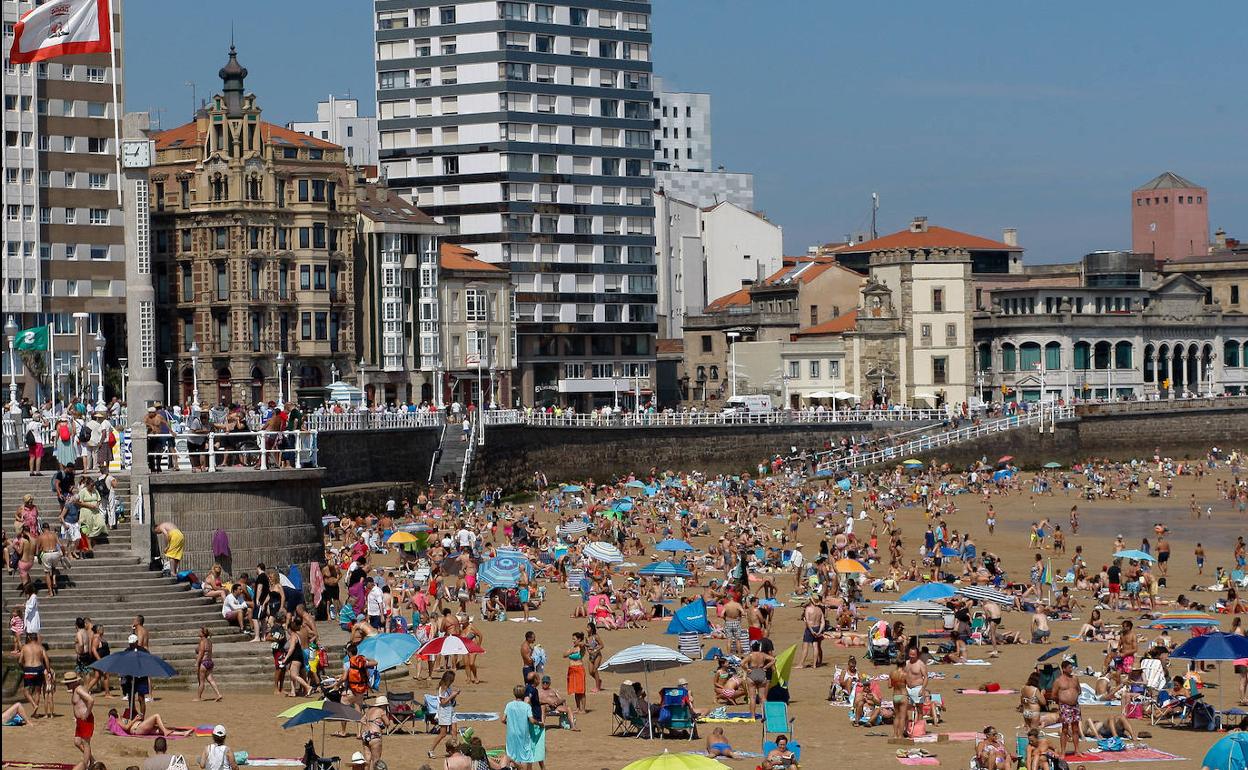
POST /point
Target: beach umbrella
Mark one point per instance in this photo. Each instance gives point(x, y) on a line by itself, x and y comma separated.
point(1230, 753)
point(986, 594)
point(575, 527)
point(622, 506)
point(850, 566)
point(782, 672)
point(1134, 554)
point(417, 527)
point(134, 663)
point(1215, 646)
point(949, 553)
point(389, 650)
point(1002, 474)
point(572, 488)
point(928, 592)
point(844, 484)
point(642, 659)
point(921, 609)
point(1184, 619)
point(681, 761)
point(1052, 465)
point(665, 569)
point(604, 552)
point(1005, 459)
point(401, 536)
point(450, 645)
point(1052, 651)
point(295, 709)
point(690, 619)
point(672, 545)
point(635, 484)
point(913, 461)
point(329, 712)
point(504, 571)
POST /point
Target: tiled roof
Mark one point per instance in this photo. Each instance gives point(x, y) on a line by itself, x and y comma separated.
point(188, 135)
point(934, 237)
point(1168, 180)
point(392, 209)
point(739, 297)
point(452, 257)
point(842, 323)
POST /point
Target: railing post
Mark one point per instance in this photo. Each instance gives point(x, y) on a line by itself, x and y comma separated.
point(212, 452)
point(264, 451)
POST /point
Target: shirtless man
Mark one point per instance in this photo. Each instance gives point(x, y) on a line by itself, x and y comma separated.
point(1038, 748)
point(916, 680)
point(82, 646)
point(84, 720)
point(901, 709)
point(814, 624)
point(48, 546)
point(1065, 692)
point(1039, 626)
point(33, 659)
point(733, 612)
point(1128, 647)
point(993, 612)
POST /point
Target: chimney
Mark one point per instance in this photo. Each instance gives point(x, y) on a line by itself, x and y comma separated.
point(1219, 239)
point(1010, 236)
point(918, 225)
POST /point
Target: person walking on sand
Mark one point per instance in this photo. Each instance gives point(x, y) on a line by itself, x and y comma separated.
point(204, 664)
point(84, 720)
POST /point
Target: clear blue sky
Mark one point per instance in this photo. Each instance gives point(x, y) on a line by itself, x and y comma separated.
point(1036, 116)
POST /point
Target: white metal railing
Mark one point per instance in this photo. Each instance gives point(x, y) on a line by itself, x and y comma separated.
point(260, 450)
point(467, 465)
point(674, 419)
point(893, 453)
point(373, 420)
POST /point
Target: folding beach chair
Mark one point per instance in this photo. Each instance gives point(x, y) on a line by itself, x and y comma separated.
point(676, 714)
point(776, 721)
point(402, 710)
point(629, 725)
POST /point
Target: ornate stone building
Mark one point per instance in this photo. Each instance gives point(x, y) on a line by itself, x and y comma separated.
point(252, 242)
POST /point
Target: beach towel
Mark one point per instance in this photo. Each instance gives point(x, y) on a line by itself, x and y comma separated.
point(114, 727)
point(220, 544)
point(985, 692)
point(1088, 697)
point(271, 762)
point(1139, 754)
point(963, 737)
point(736, 753)
point(918, 760)
point(973, 662)
point(476, 716)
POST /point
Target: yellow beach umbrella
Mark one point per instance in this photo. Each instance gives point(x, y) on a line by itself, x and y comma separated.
point(669, 761)
point(850, 566)
point(783, 670)
point(401, 537)
point(300, 707)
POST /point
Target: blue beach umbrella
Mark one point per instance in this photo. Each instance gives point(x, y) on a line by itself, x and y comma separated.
point(690, 619)
point(665, 569)
point(1216, 645)
point(949, 553)
point(928, 592)
point(504, 571)
point(844, 484)
point(572, 488)
point(389, 650)
point(1134, 554)
point(672, 545)
point(1230, 753)
point(134, 663)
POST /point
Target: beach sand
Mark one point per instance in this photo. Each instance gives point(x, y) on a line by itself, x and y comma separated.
point(823, 730)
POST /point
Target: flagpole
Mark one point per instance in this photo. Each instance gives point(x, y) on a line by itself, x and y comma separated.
point(112, 58)
point(52, 363)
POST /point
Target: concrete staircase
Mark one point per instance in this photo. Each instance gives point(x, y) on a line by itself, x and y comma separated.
point(451, 459)
point(116, 585)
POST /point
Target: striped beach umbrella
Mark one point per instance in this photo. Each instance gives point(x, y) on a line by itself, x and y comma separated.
point(920, 608)
point(604, 552)
point(665, 569)
point(504, 571)
point(987, 594)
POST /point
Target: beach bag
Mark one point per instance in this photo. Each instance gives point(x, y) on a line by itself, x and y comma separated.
point(112, 438)
point(1134, 711)
point(31, 441)
point(63, 433)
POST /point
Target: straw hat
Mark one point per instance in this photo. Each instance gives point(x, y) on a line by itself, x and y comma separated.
point(70, 677)
point(358, 758)
point(380, 700)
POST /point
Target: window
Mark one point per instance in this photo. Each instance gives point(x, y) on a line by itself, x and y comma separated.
point(393, 79)
point(951, 332)
point(579, 17)
point(513, 71)
point(474, 305)
point(544, 14)
point(925, 331)
point(305, 326)
point(544, 73)
point(513, 41)
point(1234, 295)
point(940, 366)
point(393, 49)
point(834, 370)
point(544, 43)
point(513, 11)
point(94, 181)
point(305, 277)
point(71, 251)
point(393, 19)
point(938, 300)
point(448, 45)
point(95, 74)
point(814, 369)
point(446, 14)
point(448, 75)
point(99, 216)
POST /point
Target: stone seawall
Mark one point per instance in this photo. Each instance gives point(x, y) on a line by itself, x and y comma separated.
point(366, 457)
point(272, 516)
point(1113, 434)
point(512, 453)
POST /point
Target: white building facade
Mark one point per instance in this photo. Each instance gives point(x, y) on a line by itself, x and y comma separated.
point(339, 121)
point(527, 128)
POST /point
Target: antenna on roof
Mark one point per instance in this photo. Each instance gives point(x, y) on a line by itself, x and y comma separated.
point(875, 206)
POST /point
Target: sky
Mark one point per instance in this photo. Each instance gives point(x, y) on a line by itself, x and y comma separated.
point(1038, 116)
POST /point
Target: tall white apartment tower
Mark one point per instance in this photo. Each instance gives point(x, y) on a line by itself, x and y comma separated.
point(528, 129)
point(63, 235)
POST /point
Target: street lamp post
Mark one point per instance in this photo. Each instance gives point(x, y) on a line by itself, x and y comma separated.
point(99, 369)
point(194, 351)
point(168, 382)
point(363, 384)
point(281, 378)
point(82, 353)
point(11, 330)
point(124, 363)
point(732, 346)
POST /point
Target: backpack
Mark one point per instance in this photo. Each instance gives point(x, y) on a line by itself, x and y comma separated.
point(357, 674)
point(1205, 718)
point(63, 433)
point(84, 433)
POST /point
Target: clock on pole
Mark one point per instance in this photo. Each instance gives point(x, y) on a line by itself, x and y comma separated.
point(136, 153)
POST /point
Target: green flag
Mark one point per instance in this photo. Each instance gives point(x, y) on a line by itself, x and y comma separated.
point(33, 339)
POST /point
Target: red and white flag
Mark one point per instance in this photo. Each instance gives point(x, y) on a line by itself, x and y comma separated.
point(61, 28)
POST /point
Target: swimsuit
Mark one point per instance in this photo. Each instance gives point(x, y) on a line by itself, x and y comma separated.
point(32, 676)
point(84, 728)
point(721, 747)
point(1069, 715)
point(915, 693)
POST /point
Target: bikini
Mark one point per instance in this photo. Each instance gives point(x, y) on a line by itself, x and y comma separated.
point(1033, 700)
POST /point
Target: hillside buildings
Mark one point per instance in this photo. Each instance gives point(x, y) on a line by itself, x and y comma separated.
point(63, 235)
point(253, 229)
